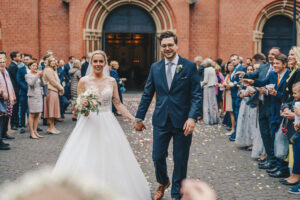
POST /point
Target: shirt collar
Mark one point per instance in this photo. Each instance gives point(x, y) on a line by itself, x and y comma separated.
point(174, 61)
point(15, 62)
point(282, 74)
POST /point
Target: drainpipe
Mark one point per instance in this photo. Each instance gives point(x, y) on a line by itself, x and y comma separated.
point(39, 30)
point(218, 28)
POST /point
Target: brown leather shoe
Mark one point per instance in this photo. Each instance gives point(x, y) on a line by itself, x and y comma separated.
point(159, 193)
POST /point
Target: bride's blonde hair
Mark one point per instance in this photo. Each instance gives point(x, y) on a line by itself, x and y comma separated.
point(98, 52)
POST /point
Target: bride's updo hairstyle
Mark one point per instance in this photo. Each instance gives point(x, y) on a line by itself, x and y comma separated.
point(98, 52)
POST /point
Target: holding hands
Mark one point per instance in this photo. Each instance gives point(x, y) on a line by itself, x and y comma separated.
point(139, 126)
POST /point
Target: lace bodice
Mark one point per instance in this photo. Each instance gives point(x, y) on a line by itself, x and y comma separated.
point(105, 88)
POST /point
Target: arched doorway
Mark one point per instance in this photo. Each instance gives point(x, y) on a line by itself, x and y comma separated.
point(277, 32)
point(129, 38)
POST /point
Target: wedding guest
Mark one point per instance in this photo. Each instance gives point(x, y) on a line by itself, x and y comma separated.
point(35, 82)
point(278, 79)
point(75, 75)
point(51, 102)
point(84, 66)
point(210, 106)
point(288, 99)
point(259, 58)
point(219, 92)
point(63, 101)
point(236, 100)
point(248, 62)
point(12, 70)
point(200, 69)
point(23, 90)
point(114, 66)
point(67, 87)
point(227, 96)
point(7, 96)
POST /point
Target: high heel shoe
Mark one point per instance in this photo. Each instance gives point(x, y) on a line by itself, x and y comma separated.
point(33, 137)
point(53, 133)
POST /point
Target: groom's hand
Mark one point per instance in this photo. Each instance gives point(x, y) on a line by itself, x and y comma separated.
point(139, 126)
point(189, 126)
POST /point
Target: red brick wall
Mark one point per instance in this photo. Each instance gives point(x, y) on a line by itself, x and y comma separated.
point(19, 26)
point(54, 26)
point(61, 27)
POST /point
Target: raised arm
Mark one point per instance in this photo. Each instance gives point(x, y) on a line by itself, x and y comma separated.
point(118, 105)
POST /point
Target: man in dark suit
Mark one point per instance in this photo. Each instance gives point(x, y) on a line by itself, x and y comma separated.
point(114, 73)
point(67, 68)
point(63, 101)
point(200, 69)
point(178, 95)
point(236, 100)
point(84, 66)
point(265, 108)
point(12, 70)
point(278, 78)
point(23, 90)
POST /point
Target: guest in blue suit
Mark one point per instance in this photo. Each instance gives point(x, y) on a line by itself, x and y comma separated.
point(23, 90)
point(276, 84)
point(63, 101)
point(178, 95)
point(67, 87)
point(236, 100)
point(84, 66)
point(114, 65)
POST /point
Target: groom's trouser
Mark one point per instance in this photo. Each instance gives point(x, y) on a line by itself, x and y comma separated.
point(181, 149)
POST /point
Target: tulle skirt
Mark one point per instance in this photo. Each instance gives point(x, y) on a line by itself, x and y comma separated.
point(98, 147)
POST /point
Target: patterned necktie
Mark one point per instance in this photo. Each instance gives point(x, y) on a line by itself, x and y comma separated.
point(169, 74)
point(278, 79)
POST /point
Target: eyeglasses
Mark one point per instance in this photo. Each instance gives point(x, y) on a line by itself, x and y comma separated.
point(167, 45)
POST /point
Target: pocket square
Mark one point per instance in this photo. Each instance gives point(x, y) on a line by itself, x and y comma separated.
point(183, 78)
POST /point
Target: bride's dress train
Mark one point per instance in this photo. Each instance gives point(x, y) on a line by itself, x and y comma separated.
point(99, 148)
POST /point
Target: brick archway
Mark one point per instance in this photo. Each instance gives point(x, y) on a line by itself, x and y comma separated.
point(274, 8)
point(98, 10)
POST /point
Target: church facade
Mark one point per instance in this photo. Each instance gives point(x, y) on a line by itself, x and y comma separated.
point(128, 29)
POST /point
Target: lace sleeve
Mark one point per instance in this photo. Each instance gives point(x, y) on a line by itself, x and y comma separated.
point(81, 85)
point(117, 103)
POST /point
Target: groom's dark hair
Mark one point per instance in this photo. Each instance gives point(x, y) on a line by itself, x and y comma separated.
point(168, 34)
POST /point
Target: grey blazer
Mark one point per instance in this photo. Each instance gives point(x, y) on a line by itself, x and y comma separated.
point(35, 84)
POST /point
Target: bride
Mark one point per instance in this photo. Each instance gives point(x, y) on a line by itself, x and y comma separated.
point(98, 146)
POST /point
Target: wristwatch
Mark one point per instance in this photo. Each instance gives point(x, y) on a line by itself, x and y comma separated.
point(138, 120)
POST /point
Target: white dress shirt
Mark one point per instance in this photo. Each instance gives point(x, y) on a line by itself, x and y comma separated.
point(173, 67)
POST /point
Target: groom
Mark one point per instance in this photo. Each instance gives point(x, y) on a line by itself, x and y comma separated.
point(177, 85)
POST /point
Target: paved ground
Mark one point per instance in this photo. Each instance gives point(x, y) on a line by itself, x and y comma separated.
point(230, 171)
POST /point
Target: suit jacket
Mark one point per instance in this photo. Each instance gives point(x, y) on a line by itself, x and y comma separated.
point(180, 102)
point(21, 81)
point(201, 72)
point(275, 100)
point(12, 71)
point(66, 69)
point(84, 67)
point(61, 74)
point(236, 80)
point(288, 93)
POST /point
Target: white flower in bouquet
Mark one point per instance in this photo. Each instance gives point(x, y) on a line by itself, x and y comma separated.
point(87, 101)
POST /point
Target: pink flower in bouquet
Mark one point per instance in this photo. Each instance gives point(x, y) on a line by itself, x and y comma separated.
point(85, 103)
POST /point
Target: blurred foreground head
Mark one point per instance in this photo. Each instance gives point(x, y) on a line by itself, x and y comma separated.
point(48, 186)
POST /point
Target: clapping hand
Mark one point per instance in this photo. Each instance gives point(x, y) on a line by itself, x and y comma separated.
point(139, 126)
point(272, 92)
point(262, 91)
point(239, 74)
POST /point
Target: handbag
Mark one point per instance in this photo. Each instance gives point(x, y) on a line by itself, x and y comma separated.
point(3, 106)
point(45, 90)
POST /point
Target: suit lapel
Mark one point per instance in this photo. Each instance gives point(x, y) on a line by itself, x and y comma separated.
point(283, 78)
point(177, 75)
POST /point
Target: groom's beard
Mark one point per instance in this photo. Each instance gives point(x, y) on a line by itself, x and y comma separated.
point(170, 56)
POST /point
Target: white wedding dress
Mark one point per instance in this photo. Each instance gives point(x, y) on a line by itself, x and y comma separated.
point(98, 147)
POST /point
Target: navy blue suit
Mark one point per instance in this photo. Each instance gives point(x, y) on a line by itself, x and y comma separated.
point(13, 70)
point(67, 88)
point(276, 119)
point(23, 93)
point(113, 73)
point(173, 107)
point(84, 67)
point(236, 100)
point(63, 101)
point(264, 111)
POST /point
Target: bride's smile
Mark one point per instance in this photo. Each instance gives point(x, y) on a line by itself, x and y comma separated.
point(98, 63)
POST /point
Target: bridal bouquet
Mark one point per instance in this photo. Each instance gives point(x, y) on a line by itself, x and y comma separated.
point(87, 101)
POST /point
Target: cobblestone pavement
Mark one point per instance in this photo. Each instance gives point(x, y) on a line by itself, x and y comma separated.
point(229, 170)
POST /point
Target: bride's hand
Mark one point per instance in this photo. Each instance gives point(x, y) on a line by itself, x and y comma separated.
point(86, 113)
